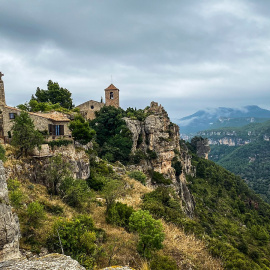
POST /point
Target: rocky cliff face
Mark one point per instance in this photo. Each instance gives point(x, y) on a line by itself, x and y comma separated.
point(9, 223)
point(159, 140)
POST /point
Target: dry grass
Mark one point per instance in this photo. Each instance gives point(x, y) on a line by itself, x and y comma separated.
point(137, 190)
point(187, 250)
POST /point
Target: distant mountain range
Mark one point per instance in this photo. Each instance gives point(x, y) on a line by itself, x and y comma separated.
point(213, 118)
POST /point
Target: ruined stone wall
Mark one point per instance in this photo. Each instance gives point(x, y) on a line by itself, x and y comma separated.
point(89, 108)
point(9, 223)
point(112, 102)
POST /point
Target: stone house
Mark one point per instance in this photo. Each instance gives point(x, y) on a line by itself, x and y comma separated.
point(55, 124)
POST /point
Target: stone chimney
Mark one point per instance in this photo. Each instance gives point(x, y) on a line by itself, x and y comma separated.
point(2, 91)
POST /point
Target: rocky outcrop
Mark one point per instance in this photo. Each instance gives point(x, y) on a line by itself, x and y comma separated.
point(52, 261)
point(9, 223)
point(74, 154)
point(159, 140)
point(155, 135)
point(202, 148)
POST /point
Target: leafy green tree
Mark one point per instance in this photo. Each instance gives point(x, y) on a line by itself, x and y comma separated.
point(111, 190)
point(75, 192)
point(113, 136)
point(81, 130)
point(56, 171)
point(150, 232)
point(24, 135)
point(55, 94)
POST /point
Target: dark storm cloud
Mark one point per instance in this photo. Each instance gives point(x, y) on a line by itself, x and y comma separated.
point(188, 55)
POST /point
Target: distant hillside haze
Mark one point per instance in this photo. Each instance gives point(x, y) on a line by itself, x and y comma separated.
point(213, 118)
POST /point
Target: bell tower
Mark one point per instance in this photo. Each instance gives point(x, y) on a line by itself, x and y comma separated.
point(2, 91)
point(112, 96)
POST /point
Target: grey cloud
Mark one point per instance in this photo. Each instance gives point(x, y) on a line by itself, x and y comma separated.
point(187, 55)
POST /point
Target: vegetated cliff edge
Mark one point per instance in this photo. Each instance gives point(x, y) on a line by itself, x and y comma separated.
point(157, 140)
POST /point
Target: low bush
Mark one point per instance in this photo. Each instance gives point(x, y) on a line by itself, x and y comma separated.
point(79, 238)
point(35, 214)
point(158, 178)
point(2, 153)
point(59, 143)
point(138, 175)
point(74, 192)
point(163, 262)
point(15, 194)
point(119, 214)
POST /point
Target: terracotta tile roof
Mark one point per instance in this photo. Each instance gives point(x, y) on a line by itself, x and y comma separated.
point(54, 116)
point(111, 87)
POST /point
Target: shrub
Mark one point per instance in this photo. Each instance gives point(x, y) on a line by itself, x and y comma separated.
point(138, 175)
point(151, 154)
point(158, 178)
point(163, 262)
point(15, 194)
point(95, 183)
point(137, 157)
point(150, 232)
point(2, 153)
point(59, 143)
point(79, 239)
point(74, 192)
point(119, 214)
point(35, 214)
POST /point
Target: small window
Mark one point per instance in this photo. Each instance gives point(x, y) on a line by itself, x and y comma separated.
point(12, 115)
point(92, 107)
point(56, 130)
point(111, 95)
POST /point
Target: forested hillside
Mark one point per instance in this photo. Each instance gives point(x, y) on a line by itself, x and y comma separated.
point(252, 160)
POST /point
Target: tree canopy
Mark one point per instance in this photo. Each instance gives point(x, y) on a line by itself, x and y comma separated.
point(54, 95)
point(81, 130)
point(24, 135)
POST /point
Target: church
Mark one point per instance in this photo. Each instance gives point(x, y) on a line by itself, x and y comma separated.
point(54, 124)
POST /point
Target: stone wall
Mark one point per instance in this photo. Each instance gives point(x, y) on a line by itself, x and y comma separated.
point(89, 108)
point(9, 223)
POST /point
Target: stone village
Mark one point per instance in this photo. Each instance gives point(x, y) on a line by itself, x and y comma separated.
point(54, 123)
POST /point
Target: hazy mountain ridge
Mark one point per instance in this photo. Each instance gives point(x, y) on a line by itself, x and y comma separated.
point(222, 117)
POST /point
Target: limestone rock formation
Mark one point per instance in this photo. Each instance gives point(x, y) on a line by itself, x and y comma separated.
point(203, 148)
point(9, 223)
point(159, 140)
point(51, 261)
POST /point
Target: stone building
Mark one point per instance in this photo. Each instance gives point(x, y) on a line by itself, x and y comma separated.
point(89, 108)
point(54, 123)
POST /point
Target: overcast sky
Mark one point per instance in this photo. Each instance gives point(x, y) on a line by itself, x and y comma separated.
point(186, 55)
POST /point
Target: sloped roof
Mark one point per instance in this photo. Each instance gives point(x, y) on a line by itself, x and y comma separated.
point(111, 87)
point(54, 116)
